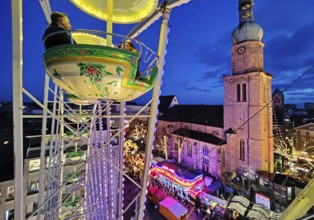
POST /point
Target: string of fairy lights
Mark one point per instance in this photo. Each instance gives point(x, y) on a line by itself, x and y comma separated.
point(278, 137)
point(280, 144)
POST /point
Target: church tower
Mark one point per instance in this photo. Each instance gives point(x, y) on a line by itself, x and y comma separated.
point(247, 100)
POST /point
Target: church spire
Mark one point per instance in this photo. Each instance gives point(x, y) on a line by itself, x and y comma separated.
point(247, 50)
point(248, 29)
point(246, 10)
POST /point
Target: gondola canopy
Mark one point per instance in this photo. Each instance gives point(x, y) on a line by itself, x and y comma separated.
point(124, 11)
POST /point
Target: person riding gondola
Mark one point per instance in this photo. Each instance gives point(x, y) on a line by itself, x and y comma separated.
point(59, 22)
point(130, 47)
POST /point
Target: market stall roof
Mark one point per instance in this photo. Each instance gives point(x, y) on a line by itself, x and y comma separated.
point(175, 207)
point(275, 215)
point(209, 115)
point(214, 199)
point(180, 170)
point(241, 199)
point(259, 211)
point(238, 207)
point(256, 211)
point(214, 186)
point(256, 215)
point(263, 210)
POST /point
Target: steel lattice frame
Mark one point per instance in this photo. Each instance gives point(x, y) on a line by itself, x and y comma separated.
point(100, 186)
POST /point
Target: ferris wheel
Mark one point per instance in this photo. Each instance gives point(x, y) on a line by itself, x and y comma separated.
point(82, 168)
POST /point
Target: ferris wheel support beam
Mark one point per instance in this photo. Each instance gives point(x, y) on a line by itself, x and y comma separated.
point(109, 22)
point(45, 5)
point(17, 70)
point(43, 151)
point(109, 156)
point(121, 156)
point(154, 107)
point(140, 27)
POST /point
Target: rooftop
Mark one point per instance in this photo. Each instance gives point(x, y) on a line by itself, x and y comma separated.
point(200, 136)
point(209, 115)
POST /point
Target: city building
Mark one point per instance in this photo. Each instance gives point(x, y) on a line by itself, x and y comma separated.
point(165, 103)
point(31, 178)
point(291, 106)
point(309, 106)
point(278, 100)
point(304, 137)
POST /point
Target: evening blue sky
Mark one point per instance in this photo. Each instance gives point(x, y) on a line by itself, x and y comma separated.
point(199, 48)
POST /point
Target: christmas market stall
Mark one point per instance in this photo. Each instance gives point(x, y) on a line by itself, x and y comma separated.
point(177, 180)
point(172, 209)
point(239, 204)
point(213, 204)
point(214, 188)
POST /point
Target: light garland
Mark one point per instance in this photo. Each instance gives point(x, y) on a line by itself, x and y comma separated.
point(170, 174)
point(123, 17)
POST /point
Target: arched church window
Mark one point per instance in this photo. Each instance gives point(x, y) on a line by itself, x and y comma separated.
point(244, 92)
point(189, 150)
point(205, 161)
point(238, 92)
point(242, 150)
point(205, 151)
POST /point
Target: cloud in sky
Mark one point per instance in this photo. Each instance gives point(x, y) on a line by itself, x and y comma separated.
point(198, 89)
point(292, 51)
point(288, 57)
point(214, 57)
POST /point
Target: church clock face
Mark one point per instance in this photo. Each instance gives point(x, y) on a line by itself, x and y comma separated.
point(241, 50)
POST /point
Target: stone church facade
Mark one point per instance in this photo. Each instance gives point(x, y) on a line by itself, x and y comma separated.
point(245, 131)
point(247, 99)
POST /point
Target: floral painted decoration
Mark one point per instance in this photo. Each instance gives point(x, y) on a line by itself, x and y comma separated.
point(95, 72)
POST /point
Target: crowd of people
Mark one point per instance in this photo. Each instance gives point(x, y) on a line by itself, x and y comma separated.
point(171, 191)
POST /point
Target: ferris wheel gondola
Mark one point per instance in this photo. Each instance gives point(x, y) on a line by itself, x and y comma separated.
point(91, 70)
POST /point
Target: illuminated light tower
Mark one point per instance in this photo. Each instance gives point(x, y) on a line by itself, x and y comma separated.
point(247, 99)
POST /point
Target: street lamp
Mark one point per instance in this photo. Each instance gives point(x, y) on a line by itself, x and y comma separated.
point(242, 185)
point(246, 175)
